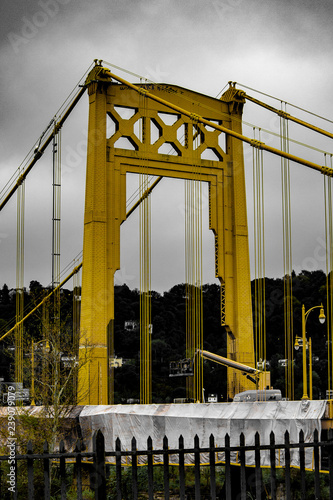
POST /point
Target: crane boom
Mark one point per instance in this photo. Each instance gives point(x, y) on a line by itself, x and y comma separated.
point(228, 362)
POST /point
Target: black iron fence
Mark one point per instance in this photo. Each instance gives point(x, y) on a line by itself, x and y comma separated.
point(122, 474)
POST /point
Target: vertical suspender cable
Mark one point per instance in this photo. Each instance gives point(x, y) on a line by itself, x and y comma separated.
point(76, 323)
point(259, 255)
point(56, 220)
point(189, 306)
point(329, 272)
point(188, 277)
point(145, 273)
point(45, 368)
point(19, 285)
point(287, 261)
point(56, 223)
point(193, 271)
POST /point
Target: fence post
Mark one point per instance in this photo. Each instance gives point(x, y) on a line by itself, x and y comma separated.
point(316, 463)
point(181, 468)
point(78, 466)
point(242, 466)
point(287, 464)
point(46, 464)
point(273, 464)
point(150, 469)
point(166, 468)
point(197, 466)
point(62, 471)
point(258, 476)
point(99, 483)
point(30, 467)
point(302, 463)
point(330, 461)
point(118, 468)
point(134, 470)
point(227, 467)
point(212, 467)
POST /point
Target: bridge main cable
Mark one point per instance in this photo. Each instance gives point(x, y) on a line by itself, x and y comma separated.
point(257, 144)
point(75, 270)
point(79, 266)
point(288, 116)
point(40, 150)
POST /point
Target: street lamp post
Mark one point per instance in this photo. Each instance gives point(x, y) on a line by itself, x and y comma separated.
point(304, 318)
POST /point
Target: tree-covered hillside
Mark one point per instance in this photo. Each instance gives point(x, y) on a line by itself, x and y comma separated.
point(168, 336)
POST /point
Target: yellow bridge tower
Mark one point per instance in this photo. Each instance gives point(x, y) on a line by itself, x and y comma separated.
point(199, 116)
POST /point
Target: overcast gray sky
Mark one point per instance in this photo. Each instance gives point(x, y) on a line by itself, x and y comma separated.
point(283, 48)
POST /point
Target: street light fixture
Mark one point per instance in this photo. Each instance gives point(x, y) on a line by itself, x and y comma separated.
point(322, 319)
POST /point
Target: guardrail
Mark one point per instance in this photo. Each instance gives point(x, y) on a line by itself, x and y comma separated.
point(105, 470)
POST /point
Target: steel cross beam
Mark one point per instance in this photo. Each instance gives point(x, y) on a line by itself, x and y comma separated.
point(257, 144)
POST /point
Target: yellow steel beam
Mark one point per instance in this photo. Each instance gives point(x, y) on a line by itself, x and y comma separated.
point(283, 114)
point(257, 144)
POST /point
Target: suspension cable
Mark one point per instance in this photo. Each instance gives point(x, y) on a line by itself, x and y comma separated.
point(35, 154)
point(193, 266)
point(287, 261)
point(329, 275)
point(56, 226)
point(145, 268)
point(289, 117)
point(79, 256)
point(75, 270)
point(19, 284)
point(40, 296)
point(260, 145)
point(208, 108)
point(288, 103)
point(259, 255)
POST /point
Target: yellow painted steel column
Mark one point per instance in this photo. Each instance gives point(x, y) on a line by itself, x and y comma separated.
point(238, 303)
point(97, 303)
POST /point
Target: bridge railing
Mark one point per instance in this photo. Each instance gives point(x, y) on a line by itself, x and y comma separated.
point(122, 474)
